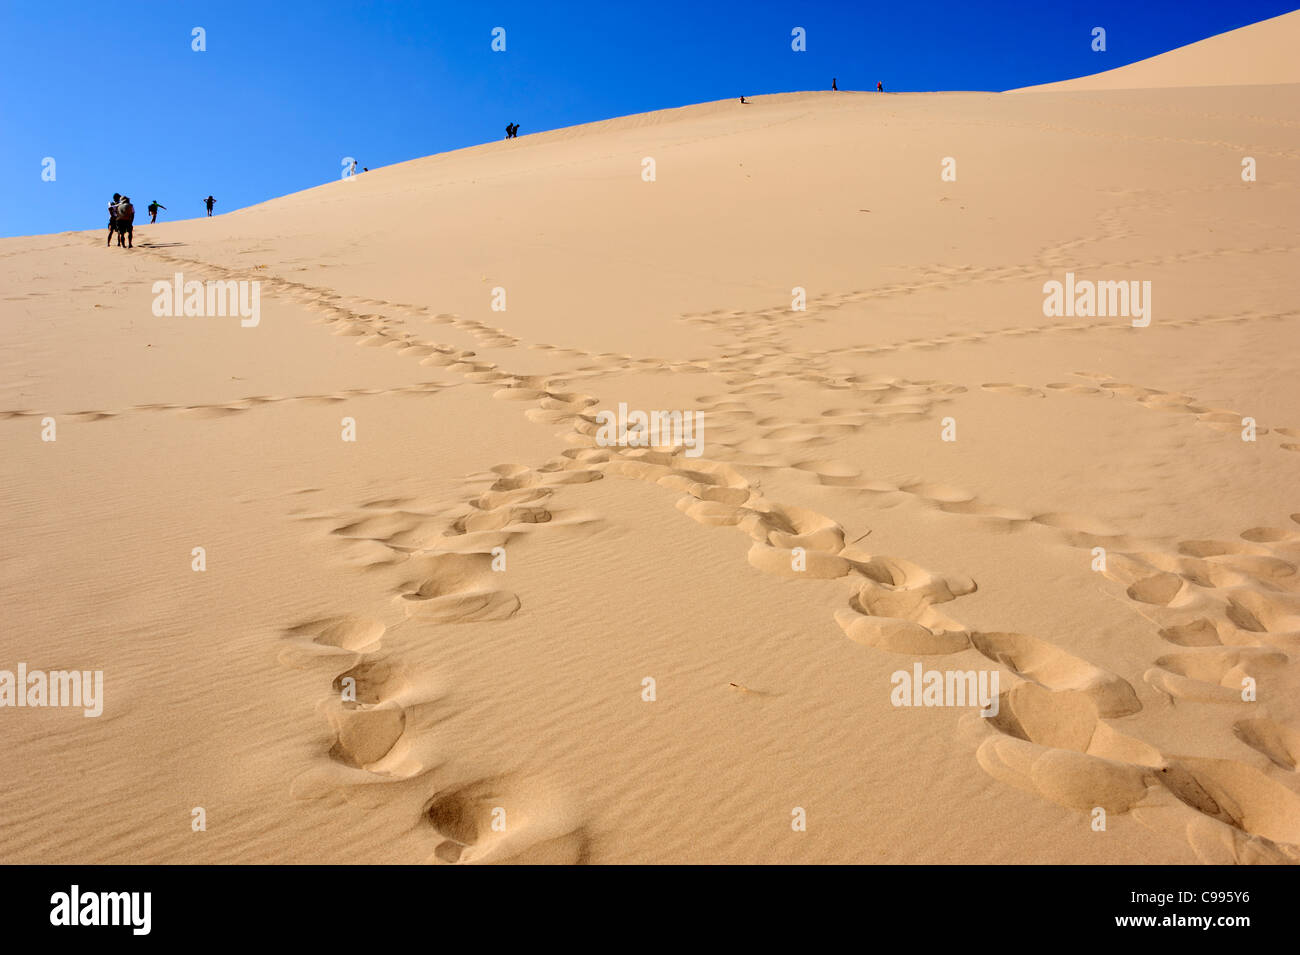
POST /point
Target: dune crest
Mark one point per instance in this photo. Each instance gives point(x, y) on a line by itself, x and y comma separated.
point(1259, 54)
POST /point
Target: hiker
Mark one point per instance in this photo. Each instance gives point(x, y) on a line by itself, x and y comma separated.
point(742, 99)
point(879, 87)
point(153, 211)
point(365, 169)
point(112, 218)
point(834, 88)
point(352, 170)
point(126, 223)
point(510, 130)
point(208, 202)
point(515, 134)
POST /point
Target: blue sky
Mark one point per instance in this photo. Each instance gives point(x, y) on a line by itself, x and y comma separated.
point(285, 89)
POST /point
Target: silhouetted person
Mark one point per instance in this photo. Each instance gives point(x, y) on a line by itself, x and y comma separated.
point(209, 203)
point(365, 169)
point(126, 223)
point(153, 211)
point(879, 87)
point(742, 99)
point(515, 134)
point(833, 86)
point(112, 218)
point(510, 130)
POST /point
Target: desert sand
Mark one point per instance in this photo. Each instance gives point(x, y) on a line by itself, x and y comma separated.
point(920, 467)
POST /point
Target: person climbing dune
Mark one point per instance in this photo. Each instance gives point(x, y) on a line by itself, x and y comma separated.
point(112, 218)
point(126, 223)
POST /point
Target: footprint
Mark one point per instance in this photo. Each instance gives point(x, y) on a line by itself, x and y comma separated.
point(1210, 548)
point(481, 822)
point(1266, 535)
point(1159, 589)
point(1237, 795)
point(382, 527)
point(212, 411)
point(830, 472)
point(790, 527)
point(1068, 778)
point(470, 607)
point(1073, 524)
point(1066, 719)
point(366, 734)
point(498, 518)
point(452, 591)
point(1211, 675)
point(1278, 742)
point(1259, 612)
point(943, 494)
point(1200, 632)
point(1019, 391)
point(782, 562)
point(345, 632)
point(373, 681)
point(1216, 843)
point(1259, 567)
point(711, 513)
point(898, 636)
point(1050, 666)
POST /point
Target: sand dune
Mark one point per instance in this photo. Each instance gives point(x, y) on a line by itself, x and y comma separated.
point(432, 643)
point(1259, 54)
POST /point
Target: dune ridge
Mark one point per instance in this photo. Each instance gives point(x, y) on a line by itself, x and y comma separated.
point(1254, 55)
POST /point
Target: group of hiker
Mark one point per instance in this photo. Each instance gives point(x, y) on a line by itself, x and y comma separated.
point(835, 86)
point(121, 213)
point(121, 218)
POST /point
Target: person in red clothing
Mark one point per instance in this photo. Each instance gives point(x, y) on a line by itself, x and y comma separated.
point(879, 87)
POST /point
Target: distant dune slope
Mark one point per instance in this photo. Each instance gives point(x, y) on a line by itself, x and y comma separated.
point(1263, 53)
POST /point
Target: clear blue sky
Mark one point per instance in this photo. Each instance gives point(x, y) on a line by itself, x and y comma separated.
point(285, 89)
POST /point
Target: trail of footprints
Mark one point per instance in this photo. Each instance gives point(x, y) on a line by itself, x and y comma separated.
point(226, 408)
point(385, 731)
point(1227, 609)
point(1051, 735)
point(1220, 419)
